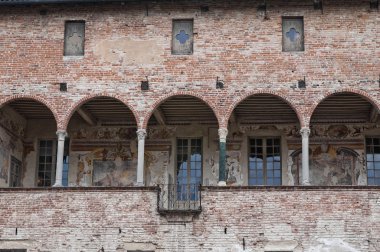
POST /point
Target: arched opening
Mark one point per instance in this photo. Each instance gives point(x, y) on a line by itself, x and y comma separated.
point(27, 144)
point(343, 130)
point(263, 129)
point(181, 149)
point(103, 148)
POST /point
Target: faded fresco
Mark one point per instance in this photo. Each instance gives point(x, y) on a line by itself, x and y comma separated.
point(233, 168)
point(329, 165)
point(107, 166)
point(156, 167)
point(12, 129)
point(4, 162)
point(113, 173)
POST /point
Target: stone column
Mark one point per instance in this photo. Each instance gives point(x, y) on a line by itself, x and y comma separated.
point(141, 134)
point(305, 132)
point(60, 149)
point(222, 156)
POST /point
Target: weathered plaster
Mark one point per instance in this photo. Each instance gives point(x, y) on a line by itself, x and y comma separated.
point(126, 52)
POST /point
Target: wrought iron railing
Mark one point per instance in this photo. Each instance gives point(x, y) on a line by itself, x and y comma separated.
point(179, 197)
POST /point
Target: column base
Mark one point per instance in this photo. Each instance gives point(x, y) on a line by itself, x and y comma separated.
point(57, 185)
point(140, 184)
point(306, 183)
point(222, 183)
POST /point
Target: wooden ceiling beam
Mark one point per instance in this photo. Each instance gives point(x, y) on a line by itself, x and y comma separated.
point(160, 117)
point(86, 116)
point(373, 115)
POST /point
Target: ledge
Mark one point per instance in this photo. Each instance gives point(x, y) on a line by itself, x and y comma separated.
point(79, 189)
point(203, 188)
point(290, 188)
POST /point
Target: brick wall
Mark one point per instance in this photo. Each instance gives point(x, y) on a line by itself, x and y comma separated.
point(125, 43)
point(118, 219)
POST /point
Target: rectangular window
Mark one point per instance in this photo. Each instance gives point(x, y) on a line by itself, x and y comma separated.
point(65, 170)
point(373, 160)
point(15, 179)
point(189, 168)
point(182, 37)
point(46, 163)
point(292, 34)
point(74, 38)
point(264, 161)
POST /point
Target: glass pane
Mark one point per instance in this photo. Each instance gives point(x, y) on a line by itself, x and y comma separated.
point(259, 165)
point(376, 150)
point(269, 165)
point(377, 165)
point(192, 173)
point(199, 173)
point(376, 141)
point(371, 181)
point(370, 165)
point(377, 181)
point(277, 166)
point(277, 181)
point(260, 173)
point(260, 181)
point(277, 173)
point(252, 181)
point(270, 181)
point(371, 173)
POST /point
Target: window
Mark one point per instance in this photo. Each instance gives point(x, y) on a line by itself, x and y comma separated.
point(15, 179)
point(373, 160)
point(182, 37)
point(292, 34)
point(189, 168)
point(264, 161)
point(46, 163)
point(65, 170)
point(74, 38)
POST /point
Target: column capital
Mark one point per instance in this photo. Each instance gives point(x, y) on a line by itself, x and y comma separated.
point(305, 132)
point(61, 134)
point(223, 132)
point(141, 134)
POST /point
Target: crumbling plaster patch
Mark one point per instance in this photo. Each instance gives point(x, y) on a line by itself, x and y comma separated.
point(124, 51)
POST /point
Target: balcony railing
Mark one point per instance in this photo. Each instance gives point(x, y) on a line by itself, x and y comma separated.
point(179, 197)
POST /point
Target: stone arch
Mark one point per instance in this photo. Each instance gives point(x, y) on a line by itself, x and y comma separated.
point(231, 108)
point(87, 98)
point(161, 100)
point(328, 94)
point(39, 99)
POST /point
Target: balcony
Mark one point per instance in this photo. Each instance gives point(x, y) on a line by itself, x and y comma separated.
point(177, 198)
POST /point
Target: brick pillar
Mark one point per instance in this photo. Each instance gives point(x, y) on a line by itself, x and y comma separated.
point(222, 156)
point(141, 134)
point(60, 149)
point(305, 132)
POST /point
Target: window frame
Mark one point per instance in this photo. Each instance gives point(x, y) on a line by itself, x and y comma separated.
point(283, 32)
point(188, 164)
point(64, 38)
point(366, 159)
point(54, 161)
point(265, 162)
point(191, 37)
point(18, 172)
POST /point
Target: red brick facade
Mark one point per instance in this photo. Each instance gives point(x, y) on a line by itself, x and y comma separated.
point(234, 41)
point(117, 219)
point(341, 54)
